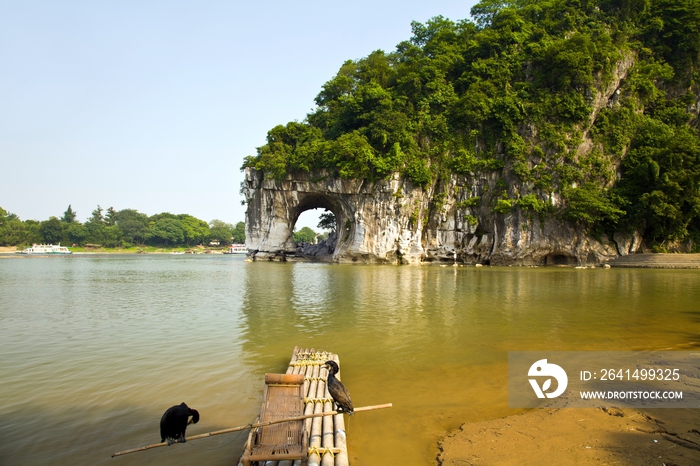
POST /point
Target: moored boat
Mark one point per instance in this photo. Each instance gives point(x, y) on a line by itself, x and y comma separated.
point(237, 249)
point(46, 249)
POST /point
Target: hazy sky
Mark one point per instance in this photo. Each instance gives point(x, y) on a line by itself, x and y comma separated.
point(152, 105)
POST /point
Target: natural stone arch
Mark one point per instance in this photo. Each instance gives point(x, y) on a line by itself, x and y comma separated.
point(392, 221)
point(375, 221)
point(324, 250)
point(275, 206)
point(309, 201)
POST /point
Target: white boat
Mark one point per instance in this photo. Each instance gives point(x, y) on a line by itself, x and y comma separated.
point(237, 249)
point(46, 249)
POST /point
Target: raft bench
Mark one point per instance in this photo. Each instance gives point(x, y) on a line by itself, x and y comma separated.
point(283, 397)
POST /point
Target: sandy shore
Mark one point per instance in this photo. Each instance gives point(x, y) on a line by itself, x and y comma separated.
point(668, 437)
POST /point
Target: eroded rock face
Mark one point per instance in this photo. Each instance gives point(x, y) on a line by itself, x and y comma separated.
point(392, 221)
point(452, 220)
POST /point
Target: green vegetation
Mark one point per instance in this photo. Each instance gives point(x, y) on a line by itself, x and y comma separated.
point(516, 92)
point(305, 235)
point(327, 221)
point(123, 229)
point(503, 206)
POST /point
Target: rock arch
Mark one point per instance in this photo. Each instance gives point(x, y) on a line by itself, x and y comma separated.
point(392, 221)
point(309, 201)
point(371, 226)
point(275, 206)
point(323, 250)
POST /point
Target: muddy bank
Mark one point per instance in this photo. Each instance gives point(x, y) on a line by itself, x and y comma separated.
point(658, 261)
point(578, 436)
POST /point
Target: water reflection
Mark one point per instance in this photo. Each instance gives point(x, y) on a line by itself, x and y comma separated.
point(95, 349)
point(434, 340)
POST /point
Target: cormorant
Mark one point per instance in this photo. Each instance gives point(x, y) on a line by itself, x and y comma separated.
point(337, 390)
point(174, 423)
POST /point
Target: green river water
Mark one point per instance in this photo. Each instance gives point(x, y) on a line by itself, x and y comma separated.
point(93, 349)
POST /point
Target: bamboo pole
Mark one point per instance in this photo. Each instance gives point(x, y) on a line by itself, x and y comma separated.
point(315, 433)
point(340, 438)
point(311, 373)
point(326, 459)
point(250, 426)
point(340, 441)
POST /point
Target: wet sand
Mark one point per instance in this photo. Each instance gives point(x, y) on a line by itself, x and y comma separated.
point(594, 436)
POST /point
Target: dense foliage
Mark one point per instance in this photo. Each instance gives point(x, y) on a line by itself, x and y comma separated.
point(305, 235)
point(516, 91)
point(122, 228)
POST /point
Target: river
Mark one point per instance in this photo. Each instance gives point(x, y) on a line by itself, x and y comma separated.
point(94, 348)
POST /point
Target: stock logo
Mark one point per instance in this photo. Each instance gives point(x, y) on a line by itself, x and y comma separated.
point(542, 368)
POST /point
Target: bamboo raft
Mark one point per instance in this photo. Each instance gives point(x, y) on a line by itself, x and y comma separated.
point(327, 437)
point(301, 395)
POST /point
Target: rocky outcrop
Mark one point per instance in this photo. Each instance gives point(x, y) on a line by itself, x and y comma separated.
point(455, 219)
point(392, 221)
point(373, 222)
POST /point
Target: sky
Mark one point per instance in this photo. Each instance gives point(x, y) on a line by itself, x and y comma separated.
point(152, 105)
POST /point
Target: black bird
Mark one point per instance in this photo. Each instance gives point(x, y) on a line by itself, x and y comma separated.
point(174, 423)
point(337, 390)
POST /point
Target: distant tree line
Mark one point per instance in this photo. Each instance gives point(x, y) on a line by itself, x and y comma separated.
point(307, 235)
point(124, 228)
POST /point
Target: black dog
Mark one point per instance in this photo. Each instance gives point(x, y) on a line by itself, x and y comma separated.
point(174, 423)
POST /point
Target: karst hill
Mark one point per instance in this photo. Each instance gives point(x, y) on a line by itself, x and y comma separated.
point(537, 132)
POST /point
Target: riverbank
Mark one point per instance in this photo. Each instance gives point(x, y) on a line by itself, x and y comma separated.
point(658, 261)
point(578, 436)
point(132, 250)
point(652, 261)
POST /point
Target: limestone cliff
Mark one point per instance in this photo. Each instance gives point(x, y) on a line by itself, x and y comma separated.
point(391, 221)
point(452, 219)
point(515, 139)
